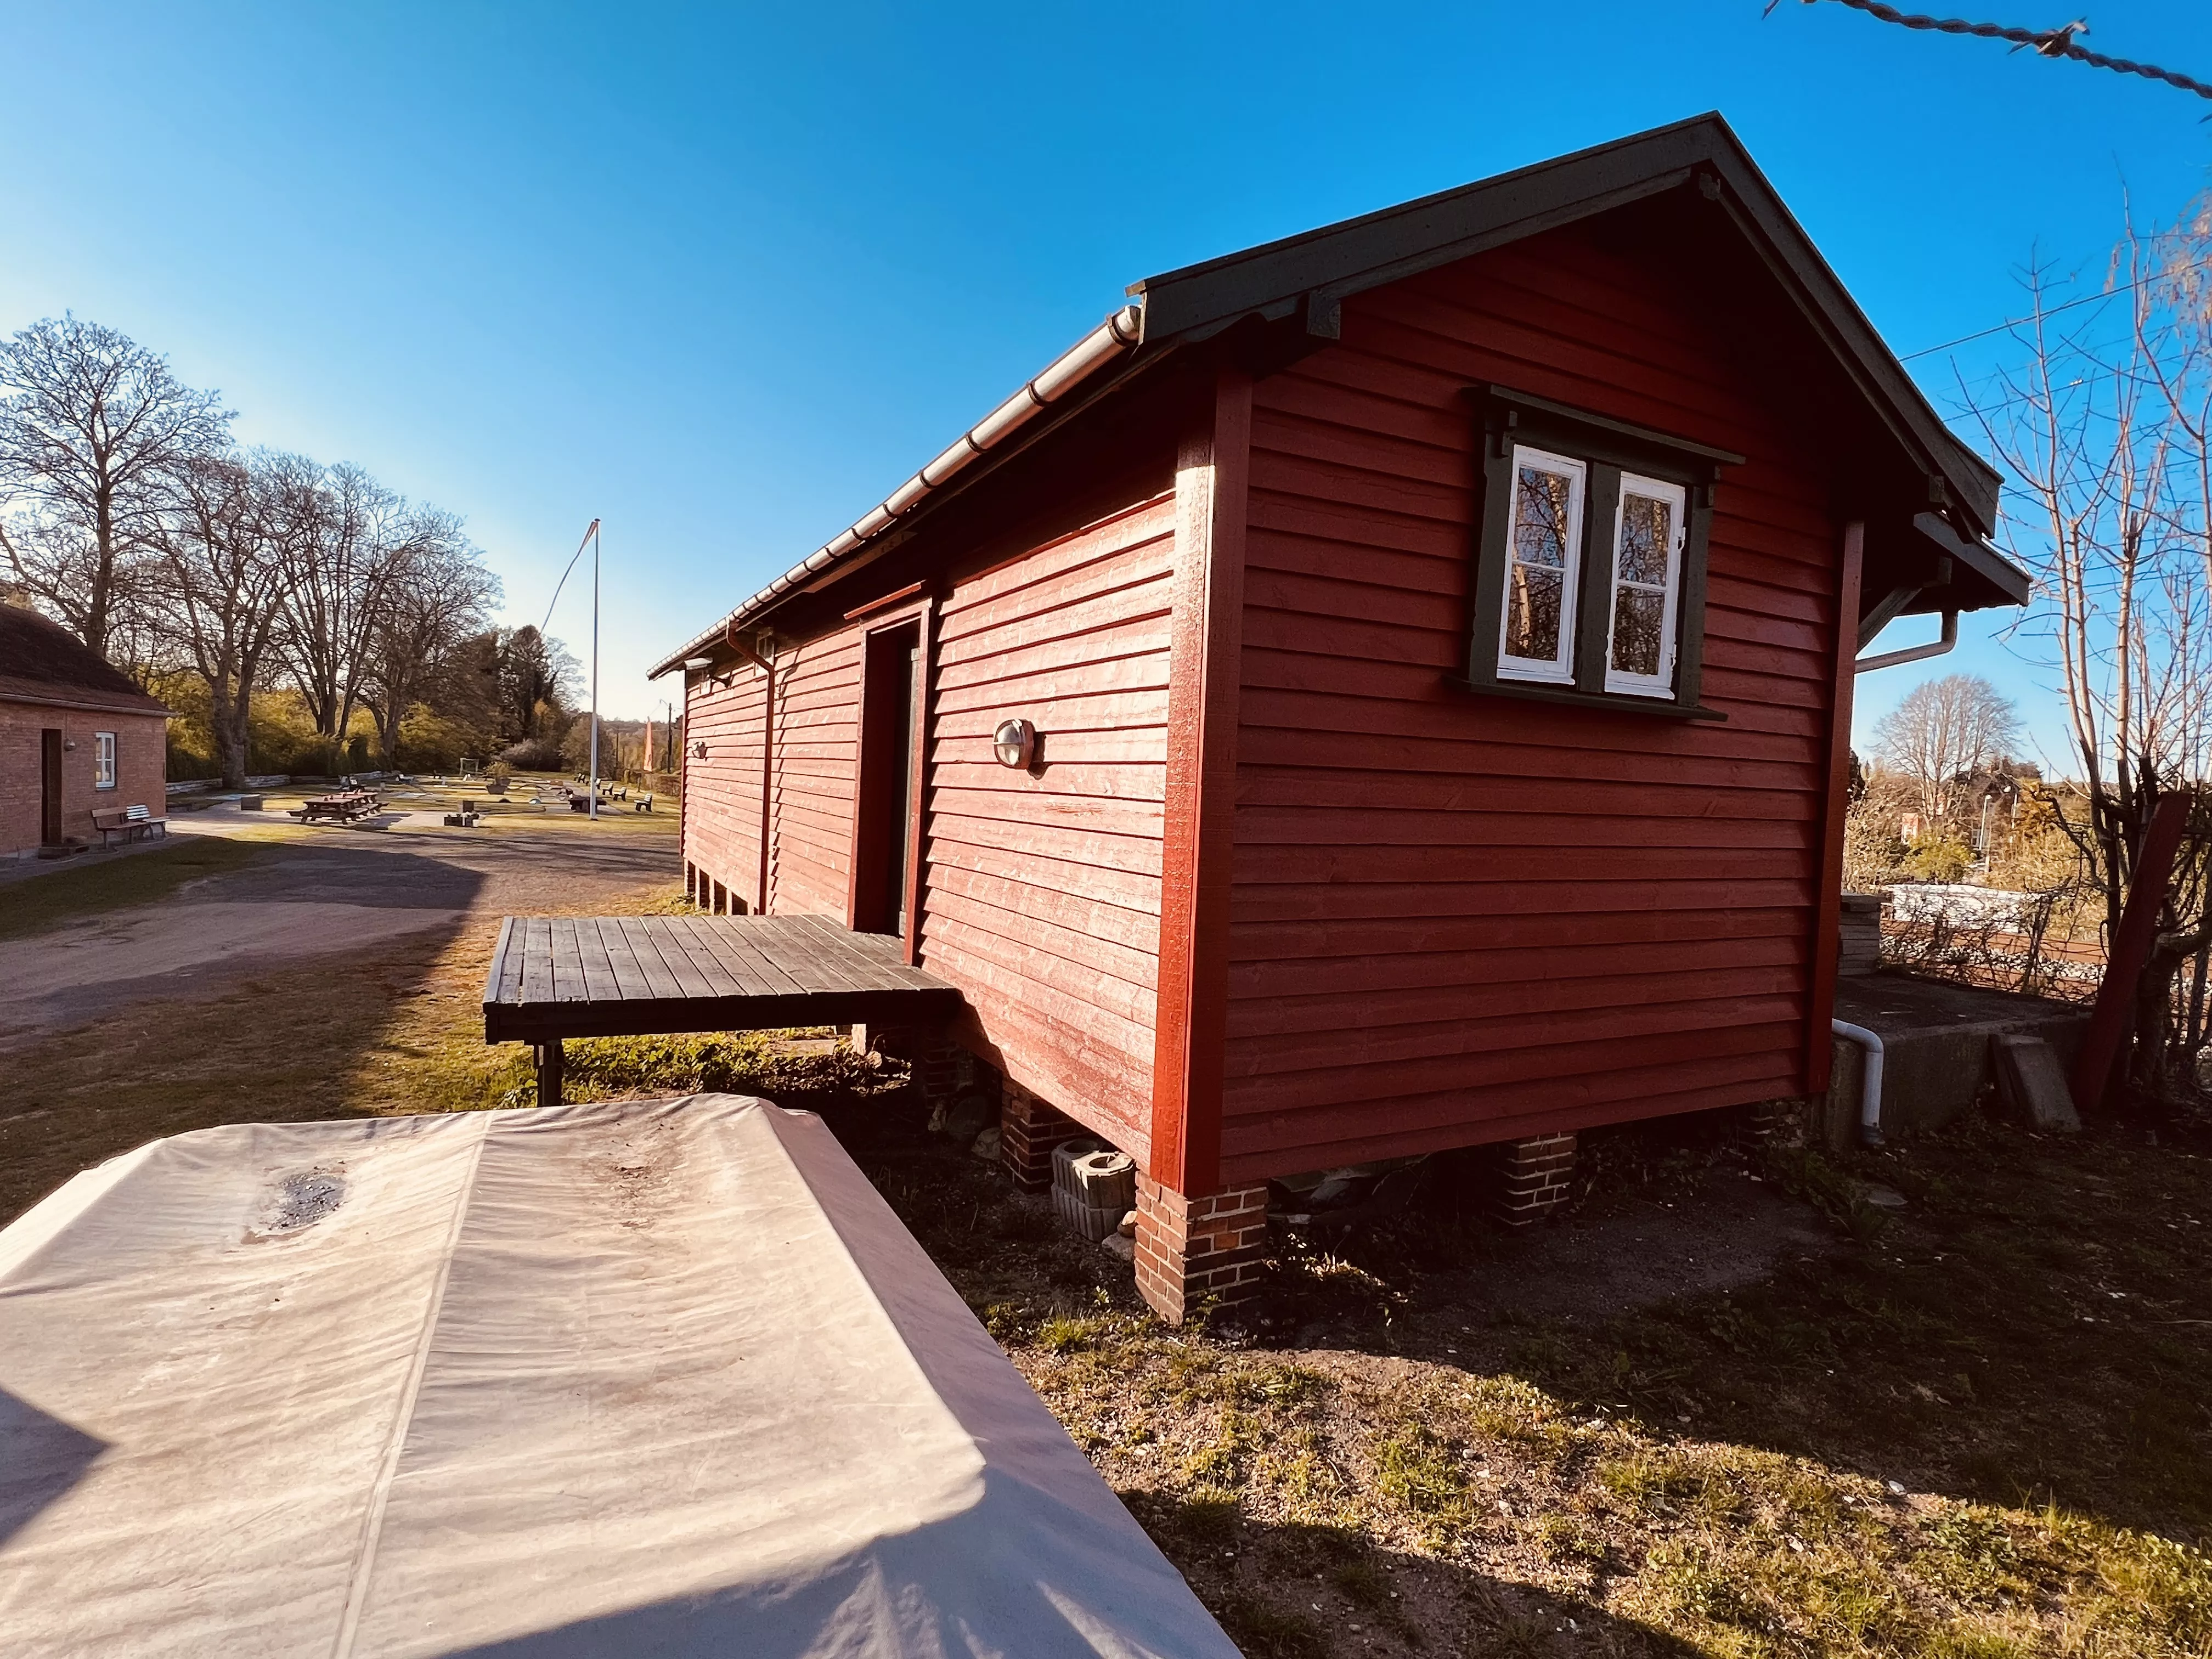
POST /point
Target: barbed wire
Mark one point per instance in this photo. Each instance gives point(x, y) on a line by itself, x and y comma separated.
point(2047, 43)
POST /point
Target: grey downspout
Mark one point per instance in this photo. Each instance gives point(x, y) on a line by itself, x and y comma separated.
point(1869, 1081)
point(1913, 652)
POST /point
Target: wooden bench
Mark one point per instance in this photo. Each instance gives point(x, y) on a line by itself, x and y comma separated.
point(132, 823)
point(642, 804)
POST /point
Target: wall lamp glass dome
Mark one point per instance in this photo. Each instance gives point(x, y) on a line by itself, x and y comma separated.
point(698, 665)
point(1015, 744)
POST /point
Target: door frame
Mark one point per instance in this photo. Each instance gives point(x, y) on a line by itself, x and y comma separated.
point(52, 745)
point(919, 613)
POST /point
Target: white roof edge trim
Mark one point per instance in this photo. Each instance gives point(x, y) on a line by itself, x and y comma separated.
point(1120, 332)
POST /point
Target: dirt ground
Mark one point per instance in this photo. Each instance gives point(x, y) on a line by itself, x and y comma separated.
point(292, 973)
point(1726, 1407)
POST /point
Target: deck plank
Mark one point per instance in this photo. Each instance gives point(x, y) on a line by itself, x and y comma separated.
point(537, 959)
point(567, 963)
point(682, 935)
point(600, 982)
point(654, 983)
point(673, 977)
point(809, 957)
point(552, 978)
point(745, 952)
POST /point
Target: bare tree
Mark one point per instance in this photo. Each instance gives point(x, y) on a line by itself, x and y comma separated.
point(438, 606)
point(229, 539)
point(364, 538)
point(2106, 441)
point(1943, 732)
point(92, 430)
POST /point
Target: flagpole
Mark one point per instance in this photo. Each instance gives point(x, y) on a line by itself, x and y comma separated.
point(595, 669)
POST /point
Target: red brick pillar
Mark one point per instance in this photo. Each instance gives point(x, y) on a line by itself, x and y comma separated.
point(1030, 1130)
point(936, 1065)
point(1191, 1251)
point(1534, 1178)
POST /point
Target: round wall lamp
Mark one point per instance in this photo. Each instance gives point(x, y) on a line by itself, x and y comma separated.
point(1015, 743)
point(699, 749)
point(698, 665)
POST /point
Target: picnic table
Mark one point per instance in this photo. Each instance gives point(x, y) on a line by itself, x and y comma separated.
point(344, 807)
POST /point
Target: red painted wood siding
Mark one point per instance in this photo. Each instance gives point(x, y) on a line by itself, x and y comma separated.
point(1459, 919)
point(1042, 893)
point(721, 813)
point(817, 726)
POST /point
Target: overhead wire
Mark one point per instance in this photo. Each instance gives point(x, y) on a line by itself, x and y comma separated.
point(2047, 43)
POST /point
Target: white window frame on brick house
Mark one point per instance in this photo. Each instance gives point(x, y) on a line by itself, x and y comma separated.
point(1559, 668)
point(1668, 590)
point(103, 760)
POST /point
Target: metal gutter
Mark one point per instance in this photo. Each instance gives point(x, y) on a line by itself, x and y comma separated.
point(1111, 340)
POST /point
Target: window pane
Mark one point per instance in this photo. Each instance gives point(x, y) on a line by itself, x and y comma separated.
point(1647, 532)
point(1531, 613)
point(1540, 521)
point(1635, 619)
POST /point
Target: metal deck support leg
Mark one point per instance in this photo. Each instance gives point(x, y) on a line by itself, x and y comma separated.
point(549, 1073)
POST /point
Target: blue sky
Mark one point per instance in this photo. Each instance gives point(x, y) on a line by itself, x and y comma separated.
point(724, 277)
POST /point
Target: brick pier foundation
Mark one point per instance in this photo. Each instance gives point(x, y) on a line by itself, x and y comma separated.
point(1535, 1177)
point(1193, 1251)
point(1030, 1130)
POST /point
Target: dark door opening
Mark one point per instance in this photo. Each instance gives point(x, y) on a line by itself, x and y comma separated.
point(889, 783)
point(50, 788)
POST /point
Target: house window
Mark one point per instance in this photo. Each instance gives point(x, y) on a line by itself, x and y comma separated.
point(1536, 638)
point(1590, 568)
point(1647, 583)
point(103, 760)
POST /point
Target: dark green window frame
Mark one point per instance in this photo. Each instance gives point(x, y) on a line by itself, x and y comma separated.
point(1607, 448)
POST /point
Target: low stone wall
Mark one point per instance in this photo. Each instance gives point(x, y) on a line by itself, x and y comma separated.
point(1937, 1053)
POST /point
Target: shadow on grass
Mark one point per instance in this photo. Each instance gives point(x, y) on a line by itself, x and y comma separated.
point(1304, 1592)
point(2034, 1326)
point(247, 1040)
point(2035, 1329)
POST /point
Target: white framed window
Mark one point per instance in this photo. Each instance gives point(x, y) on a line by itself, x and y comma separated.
point(1648, 535)
point(103, 760)
point(1543, 568)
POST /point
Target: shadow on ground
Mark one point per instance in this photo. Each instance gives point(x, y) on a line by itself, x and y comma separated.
point(292, 987)
point(2034, 1326)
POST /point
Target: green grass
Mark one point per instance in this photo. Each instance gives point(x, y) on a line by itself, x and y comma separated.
point(91, 885)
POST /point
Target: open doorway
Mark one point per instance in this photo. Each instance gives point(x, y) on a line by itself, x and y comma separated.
point(889, 783)
point(50, 787)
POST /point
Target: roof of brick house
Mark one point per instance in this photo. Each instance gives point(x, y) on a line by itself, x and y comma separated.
point(42, 662)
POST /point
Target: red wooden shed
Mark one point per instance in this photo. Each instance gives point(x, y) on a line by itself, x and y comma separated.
point(1381, 692)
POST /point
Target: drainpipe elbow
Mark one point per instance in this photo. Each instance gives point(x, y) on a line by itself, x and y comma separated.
point(1870, 1080)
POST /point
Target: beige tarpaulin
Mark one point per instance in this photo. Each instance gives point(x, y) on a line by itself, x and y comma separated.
point(659, 1378)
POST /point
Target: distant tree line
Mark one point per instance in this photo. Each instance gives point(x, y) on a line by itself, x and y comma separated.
point(298, 616)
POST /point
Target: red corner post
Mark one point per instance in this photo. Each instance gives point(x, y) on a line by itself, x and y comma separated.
point(1189, 1256)
point(1828, 897)
point(2131, 949)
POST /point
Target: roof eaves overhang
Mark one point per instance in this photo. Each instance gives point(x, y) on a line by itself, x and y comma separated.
point(87, 703)
point(1990, 579)
point(1320, 268)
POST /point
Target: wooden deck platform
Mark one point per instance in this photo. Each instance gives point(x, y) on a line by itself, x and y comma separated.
point(555, 977)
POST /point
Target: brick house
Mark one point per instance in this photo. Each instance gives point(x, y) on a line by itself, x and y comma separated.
point(76, 734)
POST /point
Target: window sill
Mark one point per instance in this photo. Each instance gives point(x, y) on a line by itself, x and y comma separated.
point(1568, 697)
